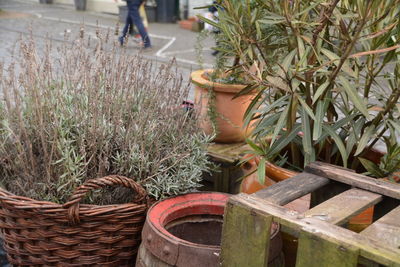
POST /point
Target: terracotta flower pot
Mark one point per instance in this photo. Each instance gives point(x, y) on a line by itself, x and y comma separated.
point(273, 174)
point(229, 112)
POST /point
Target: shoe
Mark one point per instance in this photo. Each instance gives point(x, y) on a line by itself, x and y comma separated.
point(121, 40)
point(136, 38)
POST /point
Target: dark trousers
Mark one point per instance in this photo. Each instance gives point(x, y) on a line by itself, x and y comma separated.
point(134, 18)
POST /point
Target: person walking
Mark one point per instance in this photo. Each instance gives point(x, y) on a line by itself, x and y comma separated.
point(133, 18)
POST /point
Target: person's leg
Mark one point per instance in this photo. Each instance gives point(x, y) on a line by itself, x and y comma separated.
point(127, 27)
point(133, 6)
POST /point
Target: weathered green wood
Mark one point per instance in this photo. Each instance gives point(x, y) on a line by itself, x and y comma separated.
point(316, 249)
point(386, 229)
point(245, 237)
point(370, 249)
point(286, 191)
point(354, 179)
point(342, 207)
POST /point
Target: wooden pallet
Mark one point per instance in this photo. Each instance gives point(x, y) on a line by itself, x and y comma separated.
point(337, 194)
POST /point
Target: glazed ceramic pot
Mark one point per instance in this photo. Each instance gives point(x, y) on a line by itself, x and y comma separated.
point(227, 113)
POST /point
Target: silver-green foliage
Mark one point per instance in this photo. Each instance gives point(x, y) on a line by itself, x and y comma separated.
point(83, 111)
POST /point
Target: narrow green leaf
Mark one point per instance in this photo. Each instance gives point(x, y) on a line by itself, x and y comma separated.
point(300, 45)
point(286, 63)
point(309, 154)
point(245, 91)
point(338, 142)
point(319, 117)
point(355, 131)
point(311, 6)
point(336, 60)
point(249, 114)
point(266, 125)
point(354, 96)
point(284, 140)
point(261, 171)
point(213, 23)
point(396, 125)
point(306, 108)
point(276, 104)
point(257, 150)
point(271, 21)
point(372, 168)
point(365, 138)
point(304, 56)
point(280, 124)
point(320, 91)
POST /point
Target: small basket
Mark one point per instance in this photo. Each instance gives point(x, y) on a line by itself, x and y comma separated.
point(40, 233)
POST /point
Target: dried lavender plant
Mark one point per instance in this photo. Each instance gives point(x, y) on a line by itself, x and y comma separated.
point(83, 111)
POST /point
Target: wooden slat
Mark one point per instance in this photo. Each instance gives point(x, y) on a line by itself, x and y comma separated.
point(354, 179)
point(286, 191)
point(386, 229)
point(315, 250)
point(245, 237)
point(368, 248)
point(340, 208)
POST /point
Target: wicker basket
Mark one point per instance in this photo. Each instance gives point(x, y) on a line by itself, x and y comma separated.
point(38, 233)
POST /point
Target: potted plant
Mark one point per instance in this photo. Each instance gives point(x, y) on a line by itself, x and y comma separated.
point(219, 113)
point(225, 93)
point(333, 94)
point(70, 115)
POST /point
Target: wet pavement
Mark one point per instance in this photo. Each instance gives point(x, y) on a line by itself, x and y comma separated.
point(51, 21)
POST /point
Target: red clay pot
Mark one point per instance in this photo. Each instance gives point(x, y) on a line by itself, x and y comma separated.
point(229, 111)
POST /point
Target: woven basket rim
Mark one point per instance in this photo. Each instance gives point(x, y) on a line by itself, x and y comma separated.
point(7, 195)
point(26, 203)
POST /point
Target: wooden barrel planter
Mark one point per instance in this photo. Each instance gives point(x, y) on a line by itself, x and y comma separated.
point(186, 231)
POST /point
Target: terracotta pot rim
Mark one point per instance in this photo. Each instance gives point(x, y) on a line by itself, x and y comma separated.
point(198, 78)
point(158, 215)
